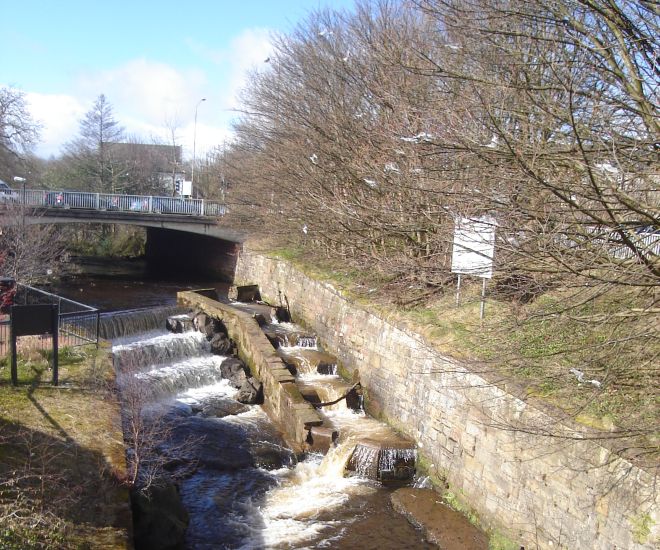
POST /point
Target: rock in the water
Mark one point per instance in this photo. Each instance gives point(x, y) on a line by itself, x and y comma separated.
point(203, 323)
point(246, 293)
point(221, 344)
point(219, 408)
point(179, 323)
point(283, 315)
point(251, 392)
point(235, 371)
point(271, 456)
point(159, 518)
point(441, 525)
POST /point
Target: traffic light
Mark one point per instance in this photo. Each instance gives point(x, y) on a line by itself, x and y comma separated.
point(177, 186)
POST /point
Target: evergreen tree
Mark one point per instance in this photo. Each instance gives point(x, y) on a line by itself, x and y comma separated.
point(91, 152)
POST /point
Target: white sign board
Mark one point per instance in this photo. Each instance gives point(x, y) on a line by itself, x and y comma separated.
point(186, 188)
point(474, 247)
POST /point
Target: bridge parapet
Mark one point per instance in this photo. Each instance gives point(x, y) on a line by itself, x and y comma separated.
point(116, 202)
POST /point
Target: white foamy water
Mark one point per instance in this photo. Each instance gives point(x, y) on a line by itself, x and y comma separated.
point(194, 395)
point(160, 349)
point(192, 366)
point(307, 502)
point(156, 337)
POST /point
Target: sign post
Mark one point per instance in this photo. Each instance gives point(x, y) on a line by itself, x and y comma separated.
point(473, 252)
point(34, 320)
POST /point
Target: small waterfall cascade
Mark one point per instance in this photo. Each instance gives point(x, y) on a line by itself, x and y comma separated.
point(182, 375)
point(372, 449)
point(217, 450)
point(289, 335)
point(364, 447)
point(118, 324)
point(157, 348)
point(239, 483)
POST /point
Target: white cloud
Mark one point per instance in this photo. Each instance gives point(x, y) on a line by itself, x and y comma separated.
point(248, 51)
point(146, 94)
point(150, 91)
point(59, 116)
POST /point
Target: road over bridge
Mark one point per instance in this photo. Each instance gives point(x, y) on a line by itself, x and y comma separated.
point(182, 233)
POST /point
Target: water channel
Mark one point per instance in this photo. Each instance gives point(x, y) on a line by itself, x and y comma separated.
point(240, 484)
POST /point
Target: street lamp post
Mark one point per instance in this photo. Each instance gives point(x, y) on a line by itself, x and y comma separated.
point(19, 179)
point(192, 175)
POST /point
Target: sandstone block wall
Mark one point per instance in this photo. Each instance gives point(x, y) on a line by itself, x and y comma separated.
point(544, 492)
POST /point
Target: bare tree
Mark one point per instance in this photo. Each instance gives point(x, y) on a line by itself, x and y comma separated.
point(370, 133)
point(18, 133)
point(29, 252)
point(148, 435)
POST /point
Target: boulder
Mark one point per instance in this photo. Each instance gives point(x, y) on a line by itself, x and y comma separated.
point(235, 371)
point(179, 323)
point(245, 293)
point(219, 408)
point(221, 344)
point(282, 314)
point(202, 323)
point(251, 392)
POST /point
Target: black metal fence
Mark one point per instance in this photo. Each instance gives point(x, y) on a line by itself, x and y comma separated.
point(78, 323)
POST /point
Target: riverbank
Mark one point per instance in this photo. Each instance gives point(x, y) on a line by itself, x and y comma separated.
point(516, 465)
point(62, 461)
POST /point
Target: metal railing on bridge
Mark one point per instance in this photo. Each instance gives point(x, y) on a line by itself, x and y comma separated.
point(116, 202)
point(78, 323)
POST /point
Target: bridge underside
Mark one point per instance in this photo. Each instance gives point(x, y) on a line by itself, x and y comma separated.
point(176, 244)
point(175, 252)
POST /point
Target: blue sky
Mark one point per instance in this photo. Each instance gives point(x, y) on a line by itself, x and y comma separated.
point(153, 59)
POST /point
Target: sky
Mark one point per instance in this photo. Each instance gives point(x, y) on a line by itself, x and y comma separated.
point(153, 59)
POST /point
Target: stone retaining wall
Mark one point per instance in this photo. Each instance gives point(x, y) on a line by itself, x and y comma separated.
point(544, 492)
point(283, 401)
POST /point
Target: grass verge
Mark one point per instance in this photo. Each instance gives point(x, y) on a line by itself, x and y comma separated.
point(62, 462)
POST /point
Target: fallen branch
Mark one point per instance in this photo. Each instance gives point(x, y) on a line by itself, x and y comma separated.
point(319, 405)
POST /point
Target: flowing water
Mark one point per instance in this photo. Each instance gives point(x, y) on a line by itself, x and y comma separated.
point(241, 485)
point(247, 489)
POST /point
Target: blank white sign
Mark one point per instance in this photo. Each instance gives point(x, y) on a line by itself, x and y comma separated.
point(474, 247)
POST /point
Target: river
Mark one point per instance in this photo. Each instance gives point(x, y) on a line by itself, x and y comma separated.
point(247, 490)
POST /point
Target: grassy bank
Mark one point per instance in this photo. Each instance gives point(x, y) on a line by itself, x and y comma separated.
point(582, 354)
point(62, 463)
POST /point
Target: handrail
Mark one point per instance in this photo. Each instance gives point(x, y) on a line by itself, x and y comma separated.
point(77, 327)
point(149, 204)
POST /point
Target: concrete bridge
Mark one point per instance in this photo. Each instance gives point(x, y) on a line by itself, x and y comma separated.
point(182, 233)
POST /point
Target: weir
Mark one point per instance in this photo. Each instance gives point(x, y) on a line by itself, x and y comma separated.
point(241, 484)
point(293, 400)
point(118, 324)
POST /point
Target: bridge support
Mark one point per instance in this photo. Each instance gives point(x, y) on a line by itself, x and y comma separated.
point(178, 253)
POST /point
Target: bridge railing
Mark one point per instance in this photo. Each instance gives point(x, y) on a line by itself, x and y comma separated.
point(119, 203)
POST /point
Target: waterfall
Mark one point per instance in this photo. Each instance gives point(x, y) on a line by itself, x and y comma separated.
point(158, 350)
point(308, 506)
point(117, 324)
point(306, 341)
point(183, 375)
